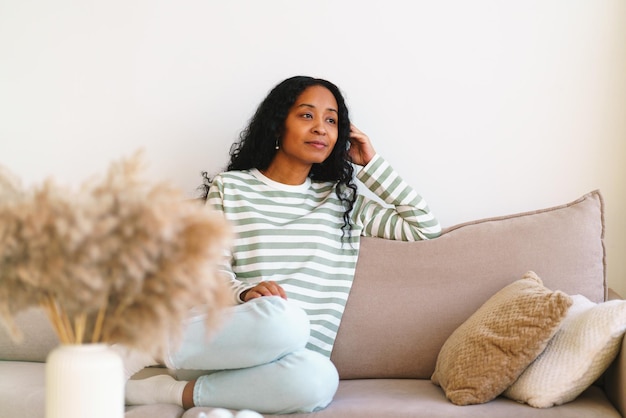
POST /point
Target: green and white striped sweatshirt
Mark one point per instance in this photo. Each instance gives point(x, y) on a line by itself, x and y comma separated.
point(293, 235)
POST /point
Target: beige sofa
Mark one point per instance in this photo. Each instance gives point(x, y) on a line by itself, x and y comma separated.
point(407, 300)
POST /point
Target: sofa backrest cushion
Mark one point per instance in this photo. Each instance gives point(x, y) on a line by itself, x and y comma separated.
point(38, 338)
point(408, 297)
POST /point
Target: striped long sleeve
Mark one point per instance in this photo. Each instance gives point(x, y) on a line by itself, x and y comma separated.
point(407, 219)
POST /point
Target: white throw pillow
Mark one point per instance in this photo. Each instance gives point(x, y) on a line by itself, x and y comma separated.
point(583, 348)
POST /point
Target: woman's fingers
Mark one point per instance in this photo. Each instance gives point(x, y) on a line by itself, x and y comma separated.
point(265, 289)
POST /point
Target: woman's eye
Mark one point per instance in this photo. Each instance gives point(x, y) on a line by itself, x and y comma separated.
point(307, 115)
point(331, 120)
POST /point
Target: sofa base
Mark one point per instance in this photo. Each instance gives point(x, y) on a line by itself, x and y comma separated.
point(412, 398)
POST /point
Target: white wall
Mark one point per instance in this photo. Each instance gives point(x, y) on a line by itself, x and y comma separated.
point(486, 107)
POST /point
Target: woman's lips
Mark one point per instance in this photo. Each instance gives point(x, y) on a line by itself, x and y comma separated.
point(317, 144)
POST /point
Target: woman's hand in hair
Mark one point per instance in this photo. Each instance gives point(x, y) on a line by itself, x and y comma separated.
point(263, 289)
point(361, 149)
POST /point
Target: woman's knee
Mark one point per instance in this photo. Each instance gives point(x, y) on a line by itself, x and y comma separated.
point(314, 380)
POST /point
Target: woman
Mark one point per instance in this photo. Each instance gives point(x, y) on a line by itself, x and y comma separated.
point(291, 197)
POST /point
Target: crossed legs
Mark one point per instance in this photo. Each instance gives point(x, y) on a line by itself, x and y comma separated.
point(257, 360)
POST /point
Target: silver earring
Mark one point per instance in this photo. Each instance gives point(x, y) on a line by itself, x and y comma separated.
point(277, 146)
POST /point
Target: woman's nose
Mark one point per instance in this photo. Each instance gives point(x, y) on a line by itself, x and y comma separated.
point(319, 128)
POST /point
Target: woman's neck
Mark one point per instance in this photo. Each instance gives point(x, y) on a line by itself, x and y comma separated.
point(285, 173)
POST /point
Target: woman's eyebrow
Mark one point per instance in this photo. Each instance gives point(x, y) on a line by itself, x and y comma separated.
point(330, 109)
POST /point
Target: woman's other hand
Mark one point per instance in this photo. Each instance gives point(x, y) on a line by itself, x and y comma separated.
point(263, 289)
point(361, 149)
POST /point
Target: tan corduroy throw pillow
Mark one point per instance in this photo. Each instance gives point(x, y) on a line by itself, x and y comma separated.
point(489, 351)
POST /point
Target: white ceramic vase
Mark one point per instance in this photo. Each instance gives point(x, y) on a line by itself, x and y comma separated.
point(84, 380)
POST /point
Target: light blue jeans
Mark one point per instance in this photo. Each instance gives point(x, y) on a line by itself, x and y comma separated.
point(257, 360)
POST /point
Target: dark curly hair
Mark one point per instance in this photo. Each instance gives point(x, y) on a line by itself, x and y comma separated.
point(256, 147)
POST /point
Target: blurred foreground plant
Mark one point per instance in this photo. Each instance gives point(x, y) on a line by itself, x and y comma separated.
point(120, 260)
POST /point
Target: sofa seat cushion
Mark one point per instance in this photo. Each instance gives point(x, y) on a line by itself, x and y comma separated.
point(413, 398)
point(22, 389)
point(154, 411)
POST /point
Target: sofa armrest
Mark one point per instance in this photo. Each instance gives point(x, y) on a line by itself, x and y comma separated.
point(615, 381)
point(615, 377)
point(612, 294)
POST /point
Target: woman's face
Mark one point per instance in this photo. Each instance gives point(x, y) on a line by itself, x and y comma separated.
point(311, 127)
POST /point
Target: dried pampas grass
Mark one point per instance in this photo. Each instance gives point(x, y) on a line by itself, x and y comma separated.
point(121, 260)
